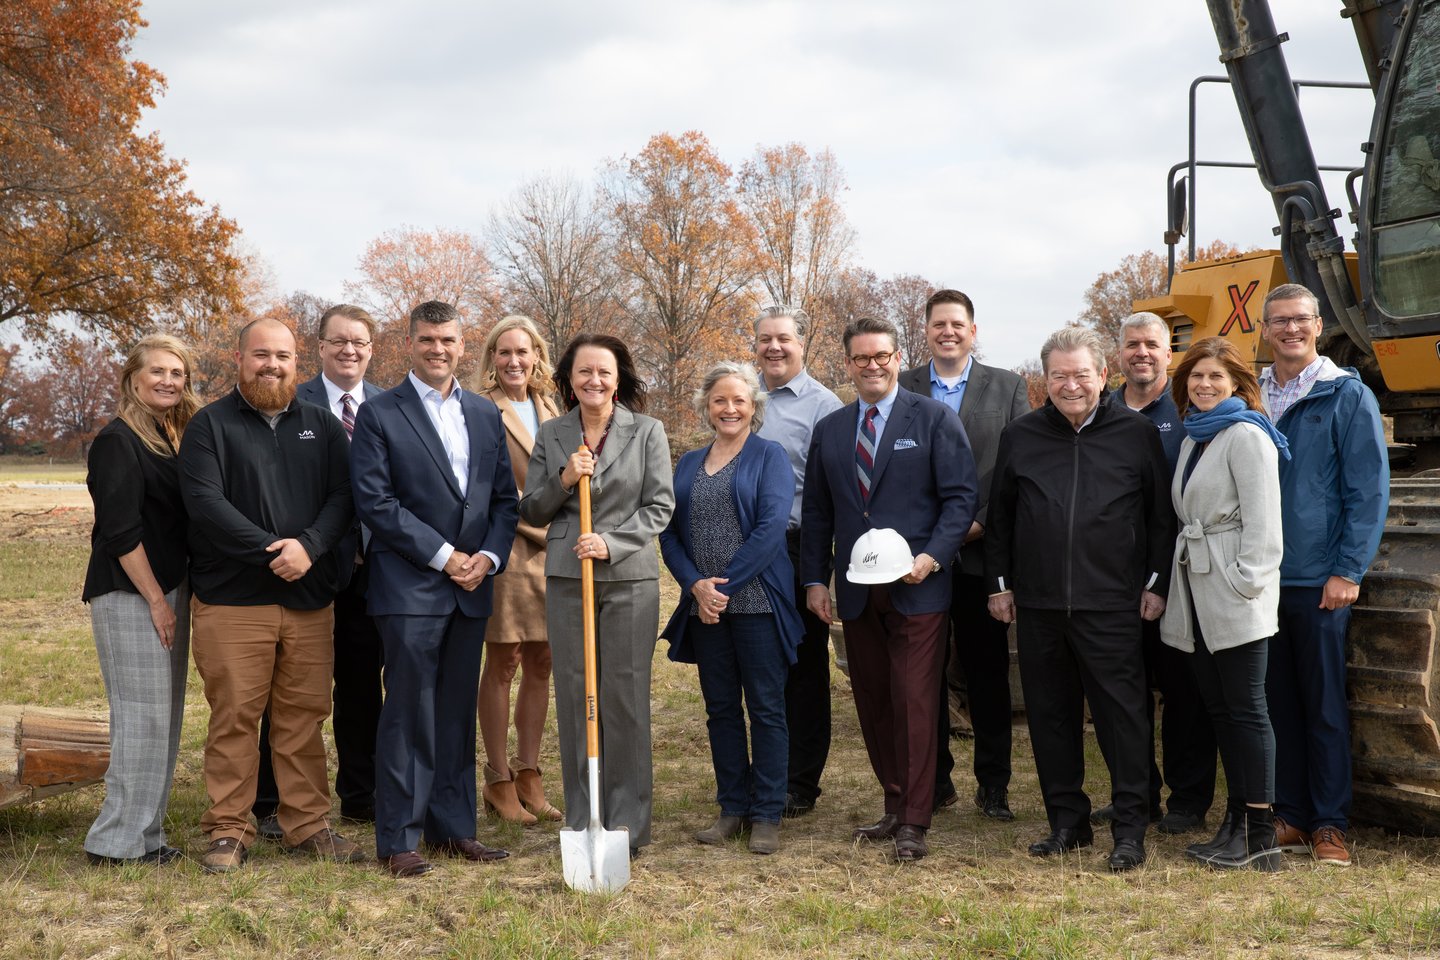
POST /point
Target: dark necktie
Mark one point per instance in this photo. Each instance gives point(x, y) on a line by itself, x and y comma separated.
point(347, 415)
point(865, 452)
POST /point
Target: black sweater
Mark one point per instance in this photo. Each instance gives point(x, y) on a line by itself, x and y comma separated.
point(1080, 521)
point(137, 501)
point(246, 486)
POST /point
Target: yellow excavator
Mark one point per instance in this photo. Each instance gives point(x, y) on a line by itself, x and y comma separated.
point(1381, 307)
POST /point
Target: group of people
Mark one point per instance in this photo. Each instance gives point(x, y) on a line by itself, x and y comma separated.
point(296, 536)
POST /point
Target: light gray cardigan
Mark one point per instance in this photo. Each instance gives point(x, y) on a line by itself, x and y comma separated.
point(1230, 543)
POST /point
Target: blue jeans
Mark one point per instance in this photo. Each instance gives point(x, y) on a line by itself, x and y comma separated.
point(741, 656)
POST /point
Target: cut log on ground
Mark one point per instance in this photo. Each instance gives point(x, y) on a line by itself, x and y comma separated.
point(44, 752)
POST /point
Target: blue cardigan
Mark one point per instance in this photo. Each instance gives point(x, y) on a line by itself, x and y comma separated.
point(764, 490)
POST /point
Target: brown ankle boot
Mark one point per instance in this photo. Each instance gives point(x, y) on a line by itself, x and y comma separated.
point(500, 798)
point(531, 791)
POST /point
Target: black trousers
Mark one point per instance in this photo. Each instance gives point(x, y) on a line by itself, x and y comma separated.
point(980, 645)
point(359, 657)
point(807, 695)
point(1232, 684)
point(1065, 660)
point(1187, 738)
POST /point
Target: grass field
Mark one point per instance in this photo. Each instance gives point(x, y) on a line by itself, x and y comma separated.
point(977, 895)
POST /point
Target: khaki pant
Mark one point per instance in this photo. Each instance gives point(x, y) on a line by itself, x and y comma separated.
point(249, 657)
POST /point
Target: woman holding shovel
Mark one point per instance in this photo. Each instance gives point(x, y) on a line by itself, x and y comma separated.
point(625, 455)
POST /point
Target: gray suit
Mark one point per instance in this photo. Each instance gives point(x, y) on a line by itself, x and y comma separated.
point(979, 645)
point(632, 497)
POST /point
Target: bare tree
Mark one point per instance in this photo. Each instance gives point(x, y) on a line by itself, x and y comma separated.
point(804, 239)
point(552, 248)
point(689, 250)
point(904, 296)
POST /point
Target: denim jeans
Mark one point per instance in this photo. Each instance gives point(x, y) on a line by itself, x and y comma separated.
point(741, 658)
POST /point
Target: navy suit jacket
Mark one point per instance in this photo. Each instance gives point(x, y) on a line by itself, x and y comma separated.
point(312, 391)
point(407, 496)
point(923, 485)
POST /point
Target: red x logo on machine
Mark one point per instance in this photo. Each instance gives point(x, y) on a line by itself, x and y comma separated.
point(1237, 309)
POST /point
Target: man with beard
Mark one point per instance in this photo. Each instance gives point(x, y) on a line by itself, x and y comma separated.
point(1187, 739)
point(267, 489)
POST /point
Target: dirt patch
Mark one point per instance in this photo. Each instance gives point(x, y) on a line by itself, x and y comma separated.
point(44, 511)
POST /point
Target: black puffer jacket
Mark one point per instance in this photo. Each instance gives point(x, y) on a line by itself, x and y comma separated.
point(1080, 520)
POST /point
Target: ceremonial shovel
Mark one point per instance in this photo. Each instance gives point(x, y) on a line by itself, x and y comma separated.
point(595, 860)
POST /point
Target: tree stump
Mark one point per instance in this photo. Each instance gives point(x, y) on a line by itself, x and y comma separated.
point(44, 752)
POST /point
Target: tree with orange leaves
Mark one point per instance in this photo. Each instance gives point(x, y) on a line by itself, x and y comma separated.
point(403, 268)
point(689, 249)
point(96, 222)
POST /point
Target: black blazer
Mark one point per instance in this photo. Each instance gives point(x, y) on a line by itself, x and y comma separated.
point(312, 391)
point(993, 397)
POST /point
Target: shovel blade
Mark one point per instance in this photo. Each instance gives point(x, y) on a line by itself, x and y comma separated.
point(595, 860)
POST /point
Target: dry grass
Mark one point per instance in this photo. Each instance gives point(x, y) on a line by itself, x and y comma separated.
point(978, 895)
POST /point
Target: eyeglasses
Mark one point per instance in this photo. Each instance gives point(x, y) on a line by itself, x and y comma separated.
point(340, 343)
point(879, 359)
point(1298, 321)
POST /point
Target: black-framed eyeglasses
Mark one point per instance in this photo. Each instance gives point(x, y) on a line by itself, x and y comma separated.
point(1297, 321)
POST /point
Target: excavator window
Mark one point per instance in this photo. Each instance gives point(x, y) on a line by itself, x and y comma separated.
point(1406, 234)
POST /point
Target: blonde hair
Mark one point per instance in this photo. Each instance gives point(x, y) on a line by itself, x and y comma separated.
point(148, 424)
point(541, 374)
point(743, 372)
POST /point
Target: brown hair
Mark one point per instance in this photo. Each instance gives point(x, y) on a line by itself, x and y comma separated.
point(949, 296)
point(347, 311)
point(630, 390)
point(148, 424)
point(1225, 353)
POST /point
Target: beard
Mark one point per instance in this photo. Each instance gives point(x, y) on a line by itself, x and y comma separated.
point(264, 397)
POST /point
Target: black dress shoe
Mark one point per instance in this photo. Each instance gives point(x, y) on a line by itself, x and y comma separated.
point(357, 814)
point(1179, 821)
point(945, 797)
point(1106, 814)
point(796, 806)
point(1128, 855)
point(268, 828)
point(993, 803)
point(1063, 839)
point(882, 829)
point(161, 856)
point(910, 843)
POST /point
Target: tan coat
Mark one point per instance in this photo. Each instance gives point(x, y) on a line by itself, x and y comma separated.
point(519, 615)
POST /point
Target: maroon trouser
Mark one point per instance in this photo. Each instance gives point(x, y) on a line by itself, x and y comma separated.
point(895, 663)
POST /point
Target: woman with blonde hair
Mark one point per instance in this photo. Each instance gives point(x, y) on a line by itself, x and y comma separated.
point(515, 373)
point(139, 598)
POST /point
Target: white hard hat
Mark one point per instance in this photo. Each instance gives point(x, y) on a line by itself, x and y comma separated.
point(879, 556)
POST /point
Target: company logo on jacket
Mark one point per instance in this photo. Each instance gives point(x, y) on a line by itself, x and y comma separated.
point(306, 435)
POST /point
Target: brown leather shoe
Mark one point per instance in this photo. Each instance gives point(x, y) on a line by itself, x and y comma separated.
point(1330, 847)
point(1291, 838)
point(468, 849)
point(407, 864)
point(326, 844)
point(882, 829)
point(910, 843)
point(224, 855)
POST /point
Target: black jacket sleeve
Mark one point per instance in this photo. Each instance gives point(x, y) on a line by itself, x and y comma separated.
point(337, 513)
point(1000, 531)
point(203, 488)
point(117, 488)
point(1159, 515)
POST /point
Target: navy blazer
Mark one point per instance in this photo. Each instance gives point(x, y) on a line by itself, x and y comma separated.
point(764, 490)
point(408, 498)
point(923, 486)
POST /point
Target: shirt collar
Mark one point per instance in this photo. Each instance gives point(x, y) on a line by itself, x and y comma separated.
point(1311, 371)
point(796, 384)
point(257, 409)
point(964, 374)
point(428, 392)
point(334, 392)
point(885, 403)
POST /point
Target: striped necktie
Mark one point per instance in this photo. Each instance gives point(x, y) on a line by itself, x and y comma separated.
point(347, 415)
point(865, 452)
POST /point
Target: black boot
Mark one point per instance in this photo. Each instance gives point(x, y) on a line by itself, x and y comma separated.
point(1251, 846)
point(1233, 820)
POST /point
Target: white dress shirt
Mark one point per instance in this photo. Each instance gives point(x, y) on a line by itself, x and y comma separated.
point(448, 419)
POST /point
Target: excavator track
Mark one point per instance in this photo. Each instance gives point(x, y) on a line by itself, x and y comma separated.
point(1392, 662)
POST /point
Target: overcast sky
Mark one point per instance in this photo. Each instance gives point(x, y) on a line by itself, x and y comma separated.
point(1014, 152)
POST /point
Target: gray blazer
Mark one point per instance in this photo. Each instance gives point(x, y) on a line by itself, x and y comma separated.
point(632, 495)
point(1230, 543)
point(993, 397)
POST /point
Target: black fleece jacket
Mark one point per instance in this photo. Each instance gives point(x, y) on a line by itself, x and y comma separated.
point(1080, 520)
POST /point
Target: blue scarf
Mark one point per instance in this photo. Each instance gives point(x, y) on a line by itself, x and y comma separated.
point(1203, 427)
